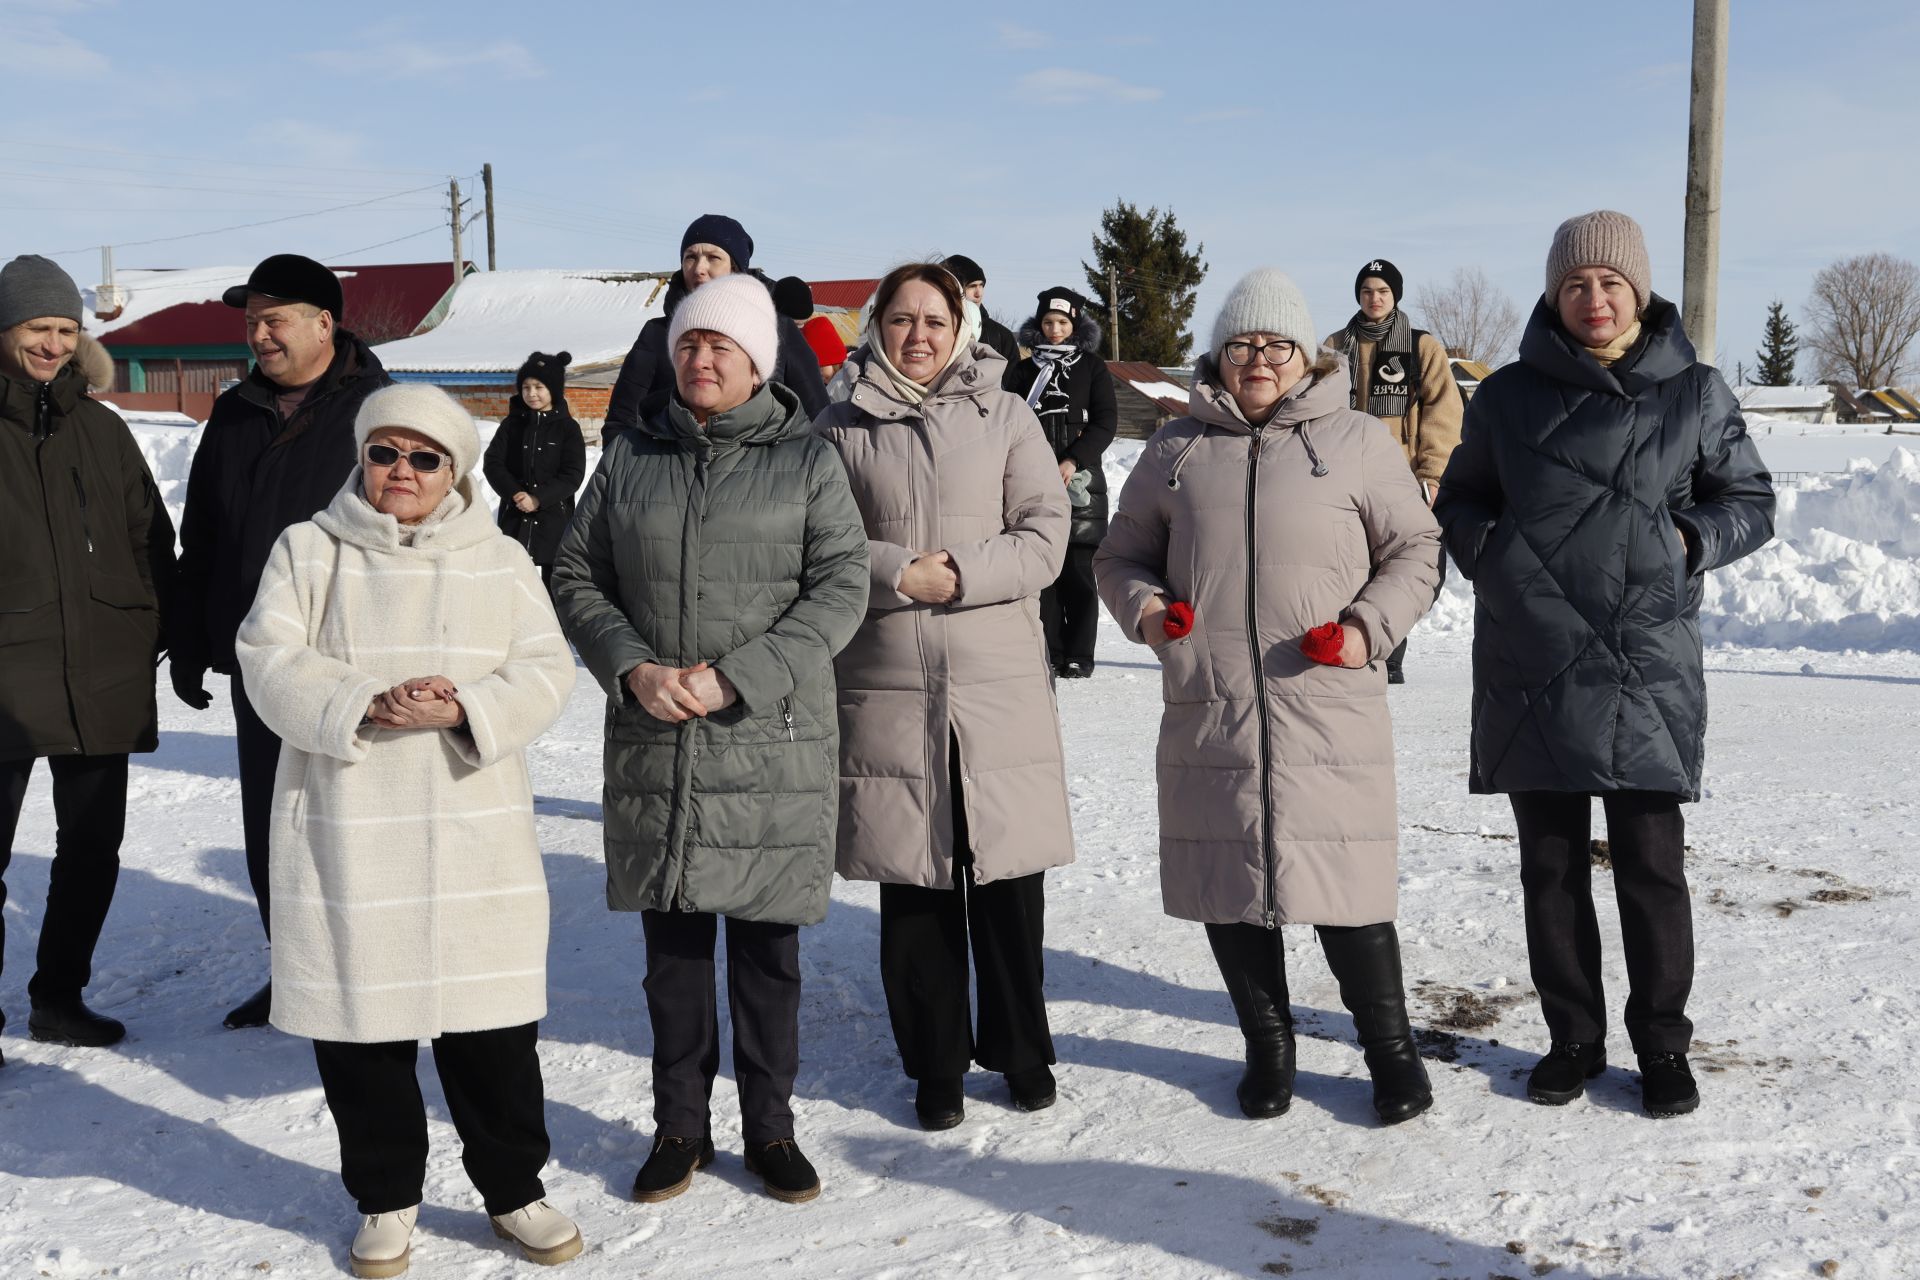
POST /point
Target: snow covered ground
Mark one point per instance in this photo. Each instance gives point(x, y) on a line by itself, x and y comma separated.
point(189, 1150)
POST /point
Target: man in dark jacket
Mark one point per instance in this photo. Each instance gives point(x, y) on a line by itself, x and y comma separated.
point(973, 282)
point(276, 450)
point(86, 548)
point(714, 245)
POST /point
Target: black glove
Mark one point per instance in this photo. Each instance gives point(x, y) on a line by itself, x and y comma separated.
point(189, 685)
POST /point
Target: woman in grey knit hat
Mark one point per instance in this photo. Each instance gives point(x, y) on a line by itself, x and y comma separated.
point(1272, 548)
point(1598, 478)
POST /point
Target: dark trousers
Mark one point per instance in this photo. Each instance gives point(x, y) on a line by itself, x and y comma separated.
point(1398, 657)
point(1070, 610)
point(763, 1001)
point(492, 1083)
point(90, 816)
point(923, 967)
point(1646, 836)
point(259, 749)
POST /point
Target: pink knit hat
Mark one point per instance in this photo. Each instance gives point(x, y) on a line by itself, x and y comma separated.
point(738, 306)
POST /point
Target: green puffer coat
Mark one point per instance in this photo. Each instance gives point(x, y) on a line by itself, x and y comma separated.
point(739, 545)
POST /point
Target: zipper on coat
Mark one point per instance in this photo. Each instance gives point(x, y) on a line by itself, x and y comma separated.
point(80, 492)
point(786, 714)
point(1259, 680)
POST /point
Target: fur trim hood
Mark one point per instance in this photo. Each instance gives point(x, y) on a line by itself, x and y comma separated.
point(1086, 333)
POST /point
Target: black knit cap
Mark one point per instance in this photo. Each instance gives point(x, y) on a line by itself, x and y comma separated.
point(1051, 300)
point(1386, 271)
point(550, 371)
point(722, 232)
point(793, 298)
point(288, 277)
point(964, 269)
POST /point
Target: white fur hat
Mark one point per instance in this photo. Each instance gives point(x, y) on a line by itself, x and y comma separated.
point(1266, 300)
point(738, 306)
point(423, 409)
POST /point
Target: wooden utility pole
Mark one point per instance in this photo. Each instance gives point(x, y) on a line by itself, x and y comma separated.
point(486, 178)
point(453, 196)
point(1699, 302)
point(1113, 305)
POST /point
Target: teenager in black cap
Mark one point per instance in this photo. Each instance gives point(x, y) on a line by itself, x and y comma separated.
point(1401, 376)
point(973, 282)
point(275, 451)
point(1066, 384)
point(537, 459)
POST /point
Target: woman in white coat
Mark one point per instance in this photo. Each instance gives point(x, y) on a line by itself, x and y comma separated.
point(405, 651)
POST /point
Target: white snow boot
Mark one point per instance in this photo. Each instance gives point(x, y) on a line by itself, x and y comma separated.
point(383, 1244)
point(545, 1235)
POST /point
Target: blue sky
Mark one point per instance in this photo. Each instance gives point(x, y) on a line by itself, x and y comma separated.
point(849, 137)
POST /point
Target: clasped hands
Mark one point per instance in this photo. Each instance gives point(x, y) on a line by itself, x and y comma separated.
point(675, 694)
point(426, 702)
point(930, 579)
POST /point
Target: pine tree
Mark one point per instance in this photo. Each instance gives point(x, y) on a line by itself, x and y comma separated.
point(1778, 348)
point(1156, 274)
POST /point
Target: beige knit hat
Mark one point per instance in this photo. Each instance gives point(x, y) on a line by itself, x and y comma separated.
point(738, 306)
point(426, 410)
point(1602, 238)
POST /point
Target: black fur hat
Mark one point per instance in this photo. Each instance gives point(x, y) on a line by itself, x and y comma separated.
point(548, 370)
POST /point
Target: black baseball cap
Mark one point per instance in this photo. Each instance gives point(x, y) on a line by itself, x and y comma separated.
point(290, 278)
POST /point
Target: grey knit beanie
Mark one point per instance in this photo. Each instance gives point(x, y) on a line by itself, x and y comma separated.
point(31, 287)
point(1602, 238)
point(1266, 300)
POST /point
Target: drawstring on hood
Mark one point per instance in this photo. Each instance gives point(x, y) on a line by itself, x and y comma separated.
point(1209, 402)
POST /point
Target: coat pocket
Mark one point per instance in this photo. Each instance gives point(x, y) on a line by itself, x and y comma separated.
point(1183, 670)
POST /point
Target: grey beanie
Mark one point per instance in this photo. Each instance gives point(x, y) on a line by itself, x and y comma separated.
point(31, 287)
point(1266, 300)
point(1602, 238)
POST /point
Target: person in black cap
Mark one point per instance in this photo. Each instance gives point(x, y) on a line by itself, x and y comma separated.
point(973, 282)
point(275, 451)
point(1066, 384)
point(537, 459)
point(1401, 375)
point(714, 245)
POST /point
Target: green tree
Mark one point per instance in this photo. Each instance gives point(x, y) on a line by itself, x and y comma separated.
point(1146, 254)
point(1779, 347)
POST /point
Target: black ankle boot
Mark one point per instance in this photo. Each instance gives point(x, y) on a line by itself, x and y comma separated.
point(1254, 967)
point(940, 1102)
point(69, 1021)
point(254, 1011)
point(1366, 963)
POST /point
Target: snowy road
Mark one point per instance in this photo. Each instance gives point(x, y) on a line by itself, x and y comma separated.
point(193, 1151)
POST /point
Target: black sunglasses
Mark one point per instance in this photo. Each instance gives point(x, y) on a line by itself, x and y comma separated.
point(385, 455)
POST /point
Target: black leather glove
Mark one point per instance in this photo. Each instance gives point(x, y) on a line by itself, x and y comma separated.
point(189, 685)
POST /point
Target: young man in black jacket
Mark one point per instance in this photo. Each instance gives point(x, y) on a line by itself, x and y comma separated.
point(86, 553)
point(276, 450)
point(973, 282)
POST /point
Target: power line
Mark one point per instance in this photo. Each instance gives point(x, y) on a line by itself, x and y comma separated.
point(366, 248)
point(250, 162)
point(243, 226)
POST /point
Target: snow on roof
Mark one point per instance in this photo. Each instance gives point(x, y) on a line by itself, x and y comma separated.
point(146, 293)
point(1160, 390)
point(1814, 397)
point(499, 317)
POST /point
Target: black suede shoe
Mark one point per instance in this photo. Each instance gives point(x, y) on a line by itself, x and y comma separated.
point(1562, 1075)
point(1666, 1085)
point(71, 1022)
point(1076, 671)
point(784, 1172)
point(669, 1167)
point(940, 1102)
point(1396, 675)
point(1032, 1089)
point(1266, 1089)
point(251, 1012)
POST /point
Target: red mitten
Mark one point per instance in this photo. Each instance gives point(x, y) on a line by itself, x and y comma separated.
point(1179, 620)
point(1324, 643)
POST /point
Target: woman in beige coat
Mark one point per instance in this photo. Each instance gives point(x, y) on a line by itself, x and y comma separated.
point(952, 786)
point(1273, 548)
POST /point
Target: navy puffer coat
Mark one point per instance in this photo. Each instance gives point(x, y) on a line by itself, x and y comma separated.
point(1563, 505)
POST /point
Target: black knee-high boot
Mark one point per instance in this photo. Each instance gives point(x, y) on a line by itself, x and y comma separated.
point(1366, 963)
point(1254, 966)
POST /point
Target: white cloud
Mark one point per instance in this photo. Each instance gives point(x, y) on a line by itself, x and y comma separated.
point(1063, 86)
point(1014, 36)
point(386, 56)
point(37, 47)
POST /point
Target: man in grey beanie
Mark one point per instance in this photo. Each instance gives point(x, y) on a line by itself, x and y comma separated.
point(86, 553)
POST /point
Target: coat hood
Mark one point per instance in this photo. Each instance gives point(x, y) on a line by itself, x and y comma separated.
point(1086, 333)
point(1312, 397)
point(770, 415)
point(461, 521)
point(1662, 352)
point(976, 370)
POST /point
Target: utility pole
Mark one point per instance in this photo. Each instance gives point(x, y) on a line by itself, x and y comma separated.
point(453, 195)
point(486, 179)
point(1699, 303)
point(1113, 305)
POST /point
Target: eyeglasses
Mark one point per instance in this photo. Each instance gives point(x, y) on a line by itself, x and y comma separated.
point(385, 455)
point(1279, 351)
